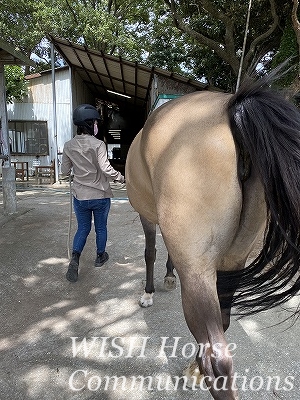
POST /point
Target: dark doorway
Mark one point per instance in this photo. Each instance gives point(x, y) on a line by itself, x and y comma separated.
point(119, 125)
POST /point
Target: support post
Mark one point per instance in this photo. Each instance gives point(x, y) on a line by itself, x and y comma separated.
point(9, 190)
point(8, 171)
point(54, 113)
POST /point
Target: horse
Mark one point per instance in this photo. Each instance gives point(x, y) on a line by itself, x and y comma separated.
point(219, 173)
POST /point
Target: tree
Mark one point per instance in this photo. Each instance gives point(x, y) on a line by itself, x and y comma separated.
point(203, 38)
point(16, 86)
point(217, 30)
point(296, 26)
point(289, 49)
point(111, 26)
point(20, 24)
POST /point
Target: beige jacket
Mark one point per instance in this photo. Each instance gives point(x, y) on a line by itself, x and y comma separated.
point(91, 167)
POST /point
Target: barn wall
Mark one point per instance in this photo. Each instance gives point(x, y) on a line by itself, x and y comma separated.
point(165, 89)
point(80, 94)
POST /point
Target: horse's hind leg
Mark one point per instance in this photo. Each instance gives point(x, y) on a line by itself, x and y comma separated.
point(150, 255)
point(170, 278)
point(203, 315)
point(225, 295)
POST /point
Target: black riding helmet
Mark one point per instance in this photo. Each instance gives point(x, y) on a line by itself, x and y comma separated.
point(84, 115)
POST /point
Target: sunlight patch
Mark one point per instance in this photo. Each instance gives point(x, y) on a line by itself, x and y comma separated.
point(59, 305)
point(251, 327)
point(53, 261)
point(31, 280)
point(36, 380)
point(95, 291)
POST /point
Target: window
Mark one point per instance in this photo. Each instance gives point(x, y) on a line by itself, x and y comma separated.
point(28, 137)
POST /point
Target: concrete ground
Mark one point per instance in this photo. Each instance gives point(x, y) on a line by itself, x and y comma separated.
point(60, 340)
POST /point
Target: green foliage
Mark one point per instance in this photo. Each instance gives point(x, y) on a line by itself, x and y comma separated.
point(288, 49)
point(16, 86)
point(112, 26)
point(166, 46)
point(202, 39)
point(19, 24)
point(208, 67)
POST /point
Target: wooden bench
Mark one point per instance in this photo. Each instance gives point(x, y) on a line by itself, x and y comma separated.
point(45, 173)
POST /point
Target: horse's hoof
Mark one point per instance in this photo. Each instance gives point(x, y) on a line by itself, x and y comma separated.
point(146, 300)
point(170, 282)
point(193, 375)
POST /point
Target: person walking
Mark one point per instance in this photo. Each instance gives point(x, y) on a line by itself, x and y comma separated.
point(85, 157)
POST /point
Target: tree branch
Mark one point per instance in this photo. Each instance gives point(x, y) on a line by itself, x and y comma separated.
point(228, 23)
point(264, 35)
point(224, 50)
point(72, 11)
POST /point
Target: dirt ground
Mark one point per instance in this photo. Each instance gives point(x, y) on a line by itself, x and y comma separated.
point(52, 334)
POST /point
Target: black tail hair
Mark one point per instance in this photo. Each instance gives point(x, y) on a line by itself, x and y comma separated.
point(267, 126)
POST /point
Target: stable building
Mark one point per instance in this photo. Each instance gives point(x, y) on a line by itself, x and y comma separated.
point(124, 92)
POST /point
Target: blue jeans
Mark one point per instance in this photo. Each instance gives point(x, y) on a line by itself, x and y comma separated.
point(84, 210)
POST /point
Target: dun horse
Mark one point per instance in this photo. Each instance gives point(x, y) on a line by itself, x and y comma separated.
point(216, 172)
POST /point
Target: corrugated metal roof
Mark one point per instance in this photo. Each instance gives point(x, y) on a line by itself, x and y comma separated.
point(10, 56)
point(103, 73)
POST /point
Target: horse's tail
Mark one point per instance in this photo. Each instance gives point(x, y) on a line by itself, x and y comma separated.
point(267, 126)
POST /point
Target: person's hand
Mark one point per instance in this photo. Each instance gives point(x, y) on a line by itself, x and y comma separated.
point(66, 178)
point(121, 180)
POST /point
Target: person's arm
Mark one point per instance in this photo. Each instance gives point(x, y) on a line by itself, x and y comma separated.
point(106, 167)
point(66, 164)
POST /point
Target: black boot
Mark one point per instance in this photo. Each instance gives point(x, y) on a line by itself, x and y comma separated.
point(101, 259)
point(72, 273)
